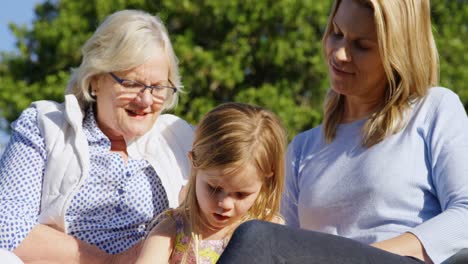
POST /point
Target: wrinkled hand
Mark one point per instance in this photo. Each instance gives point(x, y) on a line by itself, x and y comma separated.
point(126, 257)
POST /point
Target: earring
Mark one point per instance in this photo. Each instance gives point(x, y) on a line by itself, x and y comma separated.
point(93, 93)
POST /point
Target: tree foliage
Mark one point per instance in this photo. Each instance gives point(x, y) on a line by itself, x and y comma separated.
point(262, 52)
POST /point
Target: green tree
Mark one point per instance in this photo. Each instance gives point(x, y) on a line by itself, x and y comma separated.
point(262, 52)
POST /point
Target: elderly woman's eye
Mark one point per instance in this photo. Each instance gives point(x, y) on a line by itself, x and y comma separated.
point(131, 84)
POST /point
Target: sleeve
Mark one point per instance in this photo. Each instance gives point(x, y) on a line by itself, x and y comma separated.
point(290, 197)
point(447, 141)
point(21, 172)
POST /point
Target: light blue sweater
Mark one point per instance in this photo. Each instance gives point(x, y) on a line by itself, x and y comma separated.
point(414, 181)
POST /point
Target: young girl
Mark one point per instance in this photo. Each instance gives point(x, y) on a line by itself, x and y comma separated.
point(237, 175)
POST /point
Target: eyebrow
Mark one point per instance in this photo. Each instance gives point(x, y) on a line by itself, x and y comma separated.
point(366, 38)
point(166, 82)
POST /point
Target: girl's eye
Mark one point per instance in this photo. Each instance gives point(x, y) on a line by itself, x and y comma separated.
point(213, 189)
point(240, 195)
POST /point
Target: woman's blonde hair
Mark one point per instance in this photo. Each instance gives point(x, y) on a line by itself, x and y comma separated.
point(126, 39)
point(410, 60)
point(231, 136)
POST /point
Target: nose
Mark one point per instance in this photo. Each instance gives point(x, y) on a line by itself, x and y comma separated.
point(342, 54)
point(144, 98)
point(225, 201)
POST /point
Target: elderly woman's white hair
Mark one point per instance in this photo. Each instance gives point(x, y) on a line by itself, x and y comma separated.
point(123, 41)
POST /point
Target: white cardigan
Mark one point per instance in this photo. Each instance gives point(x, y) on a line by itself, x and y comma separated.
point(165, 147)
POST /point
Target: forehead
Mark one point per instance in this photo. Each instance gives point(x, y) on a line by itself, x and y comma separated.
point(232, 179)
point(355, 18)
point(156, 68)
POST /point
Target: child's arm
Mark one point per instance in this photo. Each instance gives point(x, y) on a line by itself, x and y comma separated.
point(159, 244)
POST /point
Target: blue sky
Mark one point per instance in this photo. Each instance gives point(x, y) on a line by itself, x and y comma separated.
point(18, 12)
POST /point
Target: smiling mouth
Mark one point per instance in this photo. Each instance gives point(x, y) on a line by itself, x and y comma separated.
point(134, 114)
point(338, 70)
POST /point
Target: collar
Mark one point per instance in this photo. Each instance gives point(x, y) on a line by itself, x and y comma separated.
point(93, 133)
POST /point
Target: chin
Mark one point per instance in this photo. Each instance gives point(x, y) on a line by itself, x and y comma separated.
point(339, 88)
point(135, 132)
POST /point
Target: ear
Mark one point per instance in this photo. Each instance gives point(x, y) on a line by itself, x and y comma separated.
point(94, 82)
point(190, 157)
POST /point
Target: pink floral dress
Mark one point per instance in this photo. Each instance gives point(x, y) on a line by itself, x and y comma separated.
point(208, 250)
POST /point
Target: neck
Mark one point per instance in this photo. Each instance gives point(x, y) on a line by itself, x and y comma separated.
point(356, 108)
point(119, 145)
point(209, 233)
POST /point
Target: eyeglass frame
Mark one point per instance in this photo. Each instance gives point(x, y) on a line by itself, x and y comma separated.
point(151, 87)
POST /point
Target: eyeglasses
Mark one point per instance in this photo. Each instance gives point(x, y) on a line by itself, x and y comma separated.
point(135, 87)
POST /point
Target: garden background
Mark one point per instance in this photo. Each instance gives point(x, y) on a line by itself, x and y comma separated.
point(263, 52)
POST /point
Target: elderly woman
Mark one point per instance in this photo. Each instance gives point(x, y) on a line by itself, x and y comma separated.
point(81, 180)
point(388, 167)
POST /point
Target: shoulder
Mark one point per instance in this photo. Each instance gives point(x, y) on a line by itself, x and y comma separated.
point(441, 97)
point(168, 124)
point(159, 244)
point(168, 120)
point(308, 135)
point(438, 91)
point(46, 106)
point(175, 131)
point(307, 140)
point(440, 101)
point(27, 120)
point(167, 227)
point(69, 110)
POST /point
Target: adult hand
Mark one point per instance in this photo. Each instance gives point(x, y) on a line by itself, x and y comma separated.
point(406, 244)
point(128, 256)
point(47, 245)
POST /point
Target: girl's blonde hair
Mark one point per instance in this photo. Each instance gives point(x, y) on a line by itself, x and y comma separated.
point(126, 39)
point(233, 135)
point(410, 60)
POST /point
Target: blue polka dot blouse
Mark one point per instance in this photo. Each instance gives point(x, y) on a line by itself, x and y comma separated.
point(113, 207)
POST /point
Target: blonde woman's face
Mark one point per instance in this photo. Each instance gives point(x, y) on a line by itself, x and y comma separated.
point(352, 50)
point(121, 113)
point(225, 197)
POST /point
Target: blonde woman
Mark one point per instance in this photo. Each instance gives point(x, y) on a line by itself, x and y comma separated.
point(237, 174)
point(388, 167)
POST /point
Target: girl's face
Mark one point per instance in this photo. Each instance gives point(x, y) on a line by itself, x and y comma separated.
point(225, 196)
point(353, 56)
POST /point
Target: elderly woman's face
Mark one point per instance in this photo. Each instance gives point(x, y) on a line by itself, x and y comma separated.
point(122, 113)
point(352, 50)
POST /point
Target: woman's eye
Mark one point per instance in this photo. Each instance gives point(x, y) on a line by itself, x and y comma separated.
point(131, 84)
point(361, 46)
point(336, 32)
